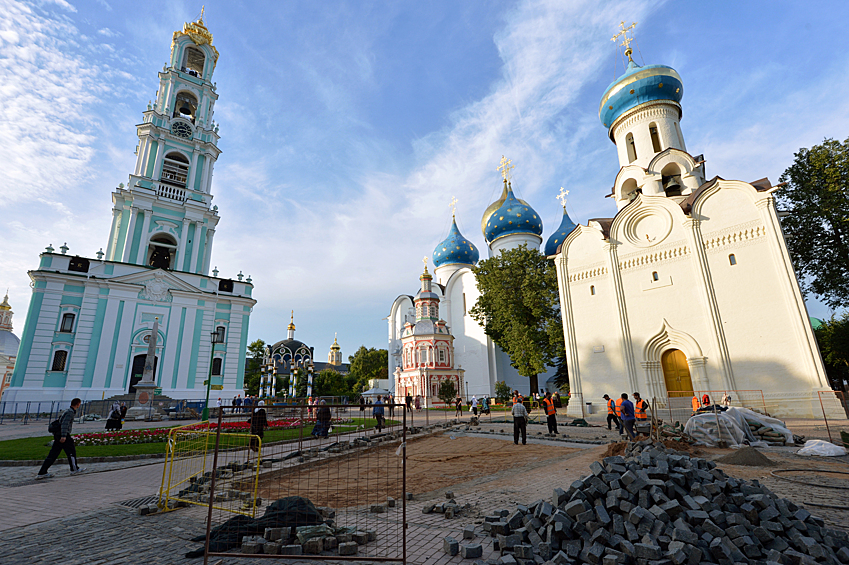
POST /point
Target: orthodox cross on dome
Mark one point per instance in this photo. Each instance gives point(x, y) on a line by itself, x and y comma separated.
point(626, 41)
point(505, 168)
point(453, 205)
point(562, 196)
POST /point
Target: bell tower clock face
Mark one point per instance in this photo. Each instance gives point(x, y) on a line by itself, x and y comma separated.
point(181, 129)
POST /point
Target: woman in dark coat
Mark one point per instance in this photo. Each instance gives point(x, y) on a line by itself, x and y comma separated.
point(259, 422)
point(322, 420)
point(113, 422)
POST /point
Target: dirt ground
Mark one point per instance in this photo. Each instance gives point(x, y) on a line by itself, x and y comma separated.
point(433, 463)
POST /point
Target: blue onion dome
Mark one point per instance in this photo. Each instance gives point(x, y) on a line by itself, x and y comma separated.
point(637, 86)
point(514, 216)
point(455, 249)
point(565, 228)
point(490, 210)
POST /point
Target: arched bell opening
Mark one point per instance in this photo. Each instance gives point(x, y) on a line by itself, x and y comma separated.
point(185, 106)
point(162, 251)
point(193, 61)
point(629, 190)
point(671, 178)
point(175, 169)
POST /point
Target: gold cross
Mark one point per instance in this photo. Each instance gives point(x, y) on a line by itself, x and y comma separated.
point(505, 168)
point(626, 41)
point(453, 205)
point(202, 8)
point(562, 196)
point(425, 261)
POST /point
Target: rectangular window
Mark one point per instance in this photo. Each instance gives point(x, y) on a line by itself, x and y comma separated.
point(220, 331)
point(464, 304)
point(67, 323)
point(59, 359)
point(216, 366)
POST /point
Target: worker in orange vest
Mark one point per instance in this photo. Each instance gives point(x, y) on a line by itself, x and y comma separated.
point(611, 413)
point(551, 413)
point(696, 403)
point(619, 416)
point(640, 407)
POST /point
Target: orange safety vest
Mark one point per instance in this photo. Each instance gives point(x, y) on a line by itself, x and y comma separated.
point(549, 407)
point(619, 407)
point(696, 404)
point(640, 409)
point(611, 407)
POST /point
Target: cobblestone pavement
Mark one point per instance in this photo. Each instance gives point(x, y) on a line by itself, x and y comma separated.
point(79, 520)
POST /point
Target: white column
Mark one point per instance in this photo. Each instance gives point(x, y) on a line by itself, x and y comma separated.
point(210, 233)
point(181, 251)
point(205, 175)
point(157, 168)
point(193, 170)
point(128, 242)
point(110, 246)
point(140, 257)
point(195, 246)
point(144, 146)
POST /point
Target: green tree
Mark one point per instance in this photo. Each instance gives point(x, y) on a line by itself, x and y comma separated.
point(447, 392)
point(561, 377)
point(502, 392)
point(253, 363)
point(330, 383)
point(519, 308)
point(833, 339)
point(367, 364)
point(816, 223)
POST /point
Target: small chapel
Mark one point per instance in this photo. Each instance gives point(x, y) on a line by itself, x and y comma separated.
point(91, 319)
point(689, 286)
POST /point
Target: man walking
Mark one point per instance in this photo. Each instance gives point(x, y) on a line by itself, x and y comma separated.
point(611, 413)
point(62, 441)
point(640, 407)
point(458, 407)
point(520, 423)
point(551, 413)
point(377, 413)
point(627, 415)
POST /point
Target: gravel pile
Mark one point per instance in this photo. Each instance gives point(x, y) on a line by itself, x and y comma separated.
point(748, 456)
point(654, 505)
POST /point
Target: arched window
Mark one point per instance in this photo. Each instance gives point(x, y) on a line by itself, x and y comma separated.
point(162, 251)
point(221, 334)
point(732, 259)
point(67, 323)
point(632, 149)
point(59, 359)
point(655, 276)
point(442, 356)
point(185, 106)
point(592, 290)
point(175, 169)
point(629, 189)
point(655, 138)
point(193, 60)
point(216, 366)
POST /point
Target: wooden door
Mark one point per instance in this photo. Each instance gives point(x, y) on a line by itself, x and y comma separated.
point(676, 373)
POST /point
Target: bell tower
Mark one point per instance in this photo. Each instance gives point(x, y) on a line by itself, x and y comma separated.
point(164, 217)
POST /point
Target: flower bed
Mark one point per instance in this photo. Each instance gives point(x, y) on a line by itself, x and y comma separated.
point(155, 435)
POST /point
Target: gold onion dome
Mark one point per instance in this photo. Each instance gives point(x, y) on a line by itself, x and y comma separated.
point(490, 210)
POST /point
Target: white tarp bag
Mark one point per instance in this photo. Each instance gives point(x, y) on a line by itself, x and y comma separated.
point(732, 428)
point(821, 448)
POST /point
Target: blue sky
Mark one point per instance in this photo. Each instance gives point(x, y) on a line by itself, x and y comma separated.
point(348, 126)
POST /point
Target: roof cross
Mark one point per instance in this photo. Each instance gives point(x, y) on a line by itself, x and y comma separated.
point(562, 196)
point(626, 41)
point(453, 205)
point(505, 168)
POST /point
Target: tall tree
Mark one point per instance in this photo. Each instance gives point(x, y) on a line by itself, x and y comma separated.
point(833, 339)
point(253, 363)
point(519, 308)
point(816, 223)
point(367, 364)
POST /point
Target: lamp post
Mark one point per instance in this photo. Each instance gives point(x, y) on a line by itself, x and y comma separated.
point(213, 339)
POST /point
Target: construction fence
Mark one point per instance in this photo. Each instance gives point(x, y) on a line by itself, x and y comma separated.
point(328, 489)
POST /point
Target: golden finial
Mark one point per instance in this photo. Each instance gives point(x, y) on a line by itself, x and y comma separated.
point(453, 206)
point(562, 196)
point(291, 325)
point(202, 8)
point(505, 168)
point(425, 261)
point(626, 41)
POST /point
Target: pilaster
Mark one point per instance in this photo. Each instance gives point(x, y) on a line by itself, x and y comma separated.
point(622, 308)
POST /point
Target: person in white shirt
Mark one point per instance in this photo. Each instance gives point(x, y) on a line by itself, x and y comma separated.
point(520, 423)
point(474, 405)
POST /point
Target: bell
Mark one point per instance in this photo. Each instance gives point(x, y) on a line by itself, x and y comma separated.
point(672, 184)
point(186, 110)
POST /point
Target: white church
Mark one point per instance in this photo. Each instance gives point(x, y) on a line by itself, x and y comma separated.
point(90, 318)
point(689, 287)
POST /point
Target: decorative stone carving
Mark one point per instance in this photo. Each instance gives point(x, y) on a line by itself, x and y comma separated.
point(156, 289)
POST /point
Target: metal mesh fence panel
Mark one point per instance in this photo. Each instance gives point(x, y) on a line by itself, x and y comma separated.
point(331, 485)
point(188, 471)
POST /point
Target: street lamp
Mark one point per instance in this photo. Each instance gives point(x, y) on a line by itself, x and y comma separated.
point(213, 339)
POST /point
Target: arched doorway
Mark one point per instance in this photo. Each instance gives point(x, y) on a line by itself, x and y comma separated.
point(138, 371)
point(676, 373)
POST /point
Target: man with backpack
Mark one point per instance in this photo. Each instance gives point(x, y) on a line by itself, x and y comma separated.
point(62, 440)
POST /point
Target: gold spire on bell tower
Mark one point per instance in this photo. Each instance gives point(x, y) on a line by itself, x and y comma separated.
point(291, 325)
point(626, 41)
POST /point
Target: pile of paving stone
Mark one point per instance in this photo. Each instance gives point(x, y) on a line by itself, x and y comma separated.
point(658, 506)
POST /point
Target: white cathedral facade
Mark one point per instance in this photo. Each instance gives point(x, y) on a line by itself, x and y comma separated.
point(90, 319)
point(689, 287)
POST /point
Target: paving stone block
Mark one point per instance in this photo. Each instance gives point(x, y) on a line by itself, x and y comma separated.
point(371, 535)
point(390, 502)
point(291, 550)
point(508, 560)
point(271, 548)
point(450, 546)
point(360, 538)
point(469, 532)
point(314, 546)
point(251, 548)
point(349, 548)
point(471, 550)
point(330, 543)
